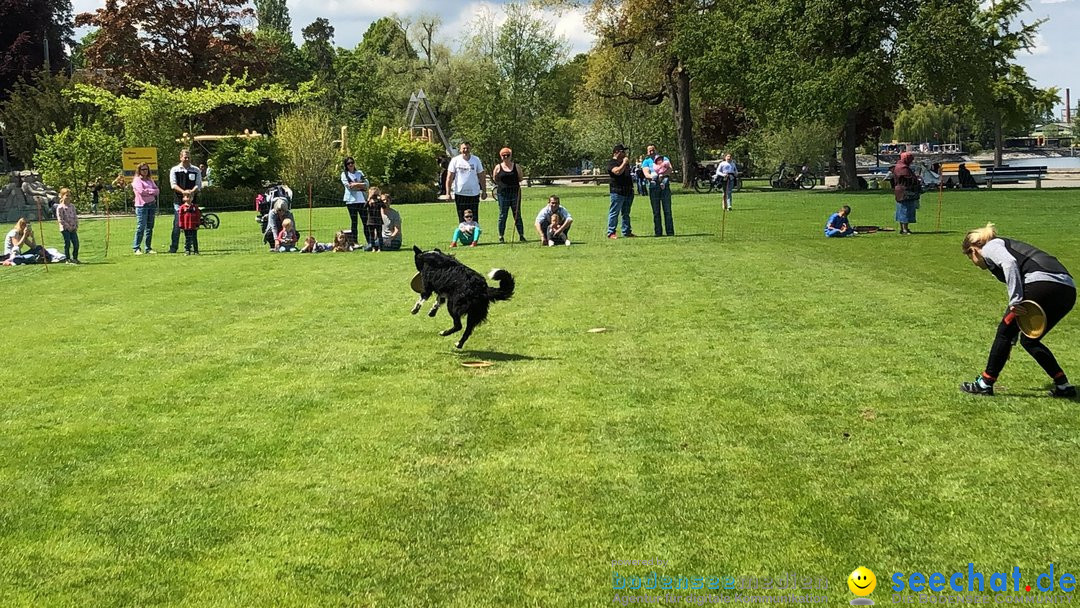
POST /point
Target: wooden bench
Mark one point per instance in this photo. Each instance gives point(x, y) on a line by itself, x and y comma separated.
point(1014, 175)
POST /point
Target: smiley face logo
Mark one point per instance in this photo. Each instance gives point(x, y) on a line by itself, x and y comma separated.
point(862, 581)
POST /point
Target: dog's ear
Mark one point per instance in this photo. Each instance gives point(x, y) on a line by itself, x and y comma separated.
point(417, 250)
point(437, 250)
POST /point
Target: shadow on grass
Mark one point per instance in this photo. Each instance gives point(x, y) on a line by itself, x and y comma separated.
point(492, 355)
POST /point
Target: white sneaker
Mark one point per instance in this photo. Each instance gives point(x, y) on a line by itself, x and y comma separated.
point(150, 251)
point(567, 242)
point(138, 252)
point(551, 243)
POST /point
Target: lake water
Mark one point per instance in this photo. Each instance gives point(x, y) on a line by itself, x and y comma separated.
point(1053, 162)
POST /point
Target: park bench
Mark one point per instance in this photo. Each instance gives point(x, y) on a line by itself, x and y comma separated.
point(1013, 175)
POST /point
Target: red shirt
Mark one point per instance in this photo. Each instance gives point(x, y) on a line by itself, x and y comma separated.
point(190, 217)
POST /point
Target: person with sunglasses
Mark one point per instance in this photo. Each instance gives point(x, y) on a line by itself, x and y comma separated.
point(507, 177)
point(146, 204)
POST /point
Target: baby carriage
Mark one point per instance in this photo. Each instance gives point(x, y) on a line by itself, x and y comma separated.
point(266, 200)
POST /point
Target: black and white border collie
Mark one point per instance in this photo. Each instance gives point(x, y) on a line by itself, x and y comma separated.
point(465, 291)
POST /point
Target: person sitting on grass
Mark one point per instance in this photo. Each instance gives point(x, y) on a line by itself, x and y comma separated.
point(19, 236)
point(467, 232)
point(391, 226)
point(288, 237)
point(555, 234)
point(838, 225)
point(342, 242)
point(543, 220)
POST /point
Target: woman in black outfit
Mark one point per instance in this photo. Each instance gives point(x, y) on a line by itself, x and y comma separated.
point(507, 176)
point(1030, 274)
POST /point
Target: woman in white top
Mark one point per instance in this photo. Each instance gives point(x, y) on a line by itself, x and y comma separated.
point(355, 200)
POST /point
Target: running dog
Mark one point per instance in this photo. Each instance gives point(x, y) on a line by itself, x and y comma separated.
point(465, 291)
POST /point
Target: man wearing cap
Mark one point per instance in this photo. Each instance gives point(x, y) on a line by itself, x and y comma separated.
point(659, 193)
point(621, 188)
point(466, 173)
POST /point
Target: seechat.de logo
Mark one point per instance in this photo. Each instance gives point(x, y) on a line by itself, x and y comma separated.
point(862, 583)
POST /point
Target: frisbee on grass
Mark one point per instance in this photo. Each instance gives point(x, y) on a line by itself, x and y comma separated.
point(1033, 319)
point(476, 364)
point(417, 283)
point(597, 330)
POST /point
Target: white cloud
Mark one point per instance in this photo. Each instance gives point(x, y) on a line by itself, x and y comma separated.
point(1052, 1)
point(351, 18)
point(1039, 46)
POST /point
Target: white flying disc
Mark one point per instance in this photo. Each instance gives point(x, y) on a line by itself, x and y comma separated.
point(476, 364)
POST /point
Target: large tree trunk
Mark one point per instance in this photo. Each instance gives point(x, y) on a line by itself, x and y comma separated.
point(849, 180)
point(999, 142)
point(679, 85)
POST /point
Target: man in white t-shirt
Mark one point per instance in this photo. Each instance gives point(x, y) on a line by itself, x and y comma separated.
point(466, 173)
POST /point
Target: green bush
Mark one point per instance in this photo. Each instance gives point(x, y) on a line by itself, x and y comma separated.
point(973, 147)
point(239, 162)
point(396, 159)
point(76, 156)
point(216, 198)
point(413, 193)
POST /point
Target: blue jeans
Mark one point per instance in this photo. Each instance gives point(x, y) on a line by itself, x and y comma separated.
point(729, 186)
point(71, 244)
point(660, 198)
point(510, 201)
point(620, 205)
point(836, 232)
point(144, 224)
point(175, 243)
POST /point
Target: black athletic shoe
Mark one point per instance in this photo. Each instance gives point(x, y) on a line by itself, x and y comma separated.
point(1068, 392)
point(975, 388)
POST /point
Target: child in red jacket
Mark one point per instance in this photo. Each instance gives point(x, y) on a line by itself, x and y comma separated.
point(190, 218)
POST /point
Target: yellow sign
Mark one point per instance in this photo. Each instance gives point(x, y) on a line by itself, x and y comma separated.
point(133, 157)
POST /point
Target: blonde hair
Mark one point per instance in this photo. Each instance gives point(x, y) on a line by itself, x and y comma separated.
point(64, 192)
point(20, 226)
point(975, 239)
point(286, 224)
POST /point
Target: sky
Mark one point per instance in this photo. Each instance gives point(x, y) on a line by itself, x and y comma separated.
point(1050, 63)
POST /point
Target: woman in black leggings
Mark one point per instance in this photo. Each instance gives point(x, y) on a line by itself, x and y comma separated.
point(1030, 274)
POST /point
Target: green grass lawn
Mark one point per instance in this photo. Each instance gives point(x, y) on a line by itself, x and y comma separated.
point(248, 429)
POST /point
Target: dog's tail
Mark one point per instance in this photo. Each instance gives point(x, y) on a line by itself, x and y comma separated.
point(505, 290)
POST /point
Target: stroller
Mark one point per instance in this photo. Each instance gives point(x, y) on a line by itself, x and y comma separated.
point(266, 200)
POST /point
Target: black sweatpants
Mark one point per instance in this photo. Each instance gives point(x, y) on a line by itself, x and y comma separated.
point(1056, 301)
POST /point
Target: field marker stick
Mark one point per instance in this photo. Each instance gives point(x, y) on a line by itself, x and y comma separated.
point(108, 226)
point(309, 227)
point(41, 233)
point(723, 223)
point(940, 193)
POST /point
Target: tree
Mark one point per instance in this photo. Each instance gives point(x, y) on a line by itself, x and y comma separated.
point(305, 138)
point(76, 156)
point(158, 115)
point(273, 16)
point(639, 41)
point(1009, 99)
point(246, 162)
point(186, 42)
point(925, 122)
point(38, 105)
point(832, 61)
point(318, 47)
point(25, 27)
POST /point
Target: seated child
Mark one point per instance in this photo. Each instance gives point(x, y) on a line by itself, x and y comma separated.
point(286, 239)
point(467, 232)
point(373, 223)
point(554, 235)
point(663, 170)
point(342, 242)
point(313, 246)
point(838, 225)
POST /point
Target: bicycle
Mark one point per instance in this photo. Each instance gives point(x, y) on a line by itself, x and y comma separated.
point(705, 181)
point(210, 220)
point(788, 180)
